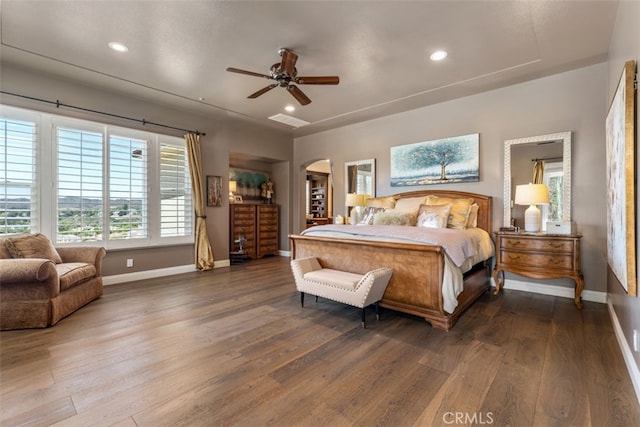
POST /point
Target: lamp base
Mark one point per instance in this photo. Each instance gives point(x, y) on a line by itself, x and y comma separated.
point(355, 215)
point(532, 219)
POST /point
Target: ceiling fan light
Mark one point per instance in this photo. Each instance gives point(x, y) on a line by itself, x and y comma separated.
point(438, 55)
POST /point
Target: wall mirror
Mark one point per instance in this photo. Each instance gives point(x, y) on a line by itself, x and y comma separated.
point(553, 152)
point(360, 177)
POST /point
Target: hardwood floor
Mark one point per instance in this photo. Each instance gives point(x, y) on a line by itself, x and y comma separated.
point(234, 347)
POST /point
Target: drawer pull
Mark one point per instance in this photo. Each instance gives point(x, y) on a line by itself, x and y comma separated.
point(556, 245)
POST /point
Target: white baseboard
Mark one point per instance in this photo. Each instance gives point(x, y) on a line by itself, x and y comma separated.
point(553, 290)
point(160, 272)
point(627, 354)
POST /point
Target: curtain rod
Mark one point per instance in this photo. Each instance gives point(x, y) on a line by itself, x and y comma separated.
point(547, 158)
point(59, 104)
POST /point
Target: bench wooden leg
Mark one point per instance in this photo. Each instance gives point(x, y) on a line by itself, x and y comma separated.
point(301, 299)
point(377, 310)
point(363, 318)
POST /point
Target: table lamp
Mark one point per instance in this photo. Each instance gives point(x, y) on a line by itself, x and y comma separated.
point(233, 186)
point(354, 201)
point(532, 195)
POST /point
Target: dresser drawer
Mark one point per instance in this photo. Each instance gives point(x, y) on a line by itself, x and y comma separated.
point(540, 260)
point(544, 245)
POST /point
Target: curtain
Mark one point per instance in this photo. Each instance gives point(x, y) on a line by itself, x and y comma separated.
point(538, 172)
point(352, 171)
point(203, 252)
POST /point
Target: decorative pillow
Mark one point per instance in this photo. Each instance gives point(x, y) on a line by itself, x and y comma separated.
point(472, 221)
point(32, 246)
point(433, 216)
point(410, 203)
point(394, 217)
point(368, 215)
point(381, 202)
point(460, 208)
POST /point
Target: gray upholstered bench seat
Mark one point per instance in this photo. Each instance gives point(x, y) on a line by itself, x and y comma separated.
point(359, 290)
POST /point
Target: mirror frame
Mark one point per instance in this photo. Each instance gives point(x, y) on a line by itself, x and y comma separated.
point(357, 163)
point(565, 137)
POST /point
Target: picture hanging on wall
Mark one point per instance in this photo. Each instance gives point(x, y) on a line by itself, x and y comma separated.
point(214, 190)
point(249, 183)
point(620, 158)
point(441, 161)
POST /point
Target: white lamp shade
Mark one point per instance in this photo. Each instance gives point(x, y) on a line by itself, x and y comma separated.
point(532, 195)
point(233, 186)
point(354, 199)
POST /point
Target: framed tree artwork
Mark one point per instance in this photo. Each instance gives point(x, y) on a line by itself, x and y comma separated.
point(447, 160)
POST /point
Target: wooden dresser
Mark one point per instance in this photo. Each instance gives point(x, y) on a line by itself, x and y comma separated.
point(267, 230)
point(539, 256)
point(258, 224)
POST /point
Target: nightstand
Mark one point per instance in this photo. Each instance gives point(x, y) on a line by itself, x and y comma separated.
point(539, 256)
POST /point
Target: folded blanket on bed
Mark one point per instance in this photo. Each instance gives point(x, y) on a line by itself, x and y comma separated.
point(456, 244)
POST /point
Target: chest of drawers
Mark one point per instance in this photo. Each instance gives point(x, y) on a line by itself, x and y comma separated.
point(258, 224)
point(539, 256)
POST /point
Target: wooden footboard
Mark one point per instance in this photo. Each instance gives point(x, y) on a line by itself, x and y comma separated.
point(416, 283)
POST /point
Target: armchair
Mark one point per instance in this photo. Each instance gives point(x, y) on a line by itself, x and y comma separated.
point(36, 290)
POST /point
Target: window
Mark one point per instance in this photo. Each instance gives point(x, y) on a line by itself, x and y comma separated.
point(128, 188)
point(79, 185)
point(18, 193)
point(115, 186)
point(175, 191)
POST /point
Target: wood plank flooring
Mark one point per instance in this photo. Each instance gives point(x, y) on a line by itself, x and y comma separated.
point(234, 347)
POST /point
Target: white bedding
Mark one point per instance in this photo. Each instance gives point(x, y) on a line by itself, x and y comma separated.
point(463, 248)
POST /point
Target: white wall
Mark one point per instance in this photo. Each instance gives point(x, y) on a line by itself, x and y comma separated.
point(570, 101)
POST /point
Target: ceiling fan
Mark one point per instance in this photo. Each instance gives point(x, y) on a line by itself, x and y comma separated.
point(285, 74)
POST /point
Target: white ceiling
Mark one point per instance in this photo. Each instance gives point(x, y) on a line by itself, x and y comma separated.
point(179, 50)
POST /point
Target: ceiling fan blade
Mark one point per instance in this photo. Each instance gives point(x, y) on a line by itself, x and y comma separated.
point(288, 64)
point(262, 91)
point(249, 73)
point(318, 80)
point(298, 94)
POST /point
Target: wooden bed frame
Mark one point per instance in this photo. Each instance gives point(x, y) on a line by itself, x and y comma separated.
point(416, 284)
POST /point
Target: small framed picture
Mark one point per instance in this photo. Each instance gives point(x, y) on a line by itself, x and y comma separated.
point(237, 199)
point(214, 190)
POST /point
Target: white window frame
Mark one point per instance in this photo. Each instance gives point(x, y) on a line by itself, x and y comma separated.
point(46, 176)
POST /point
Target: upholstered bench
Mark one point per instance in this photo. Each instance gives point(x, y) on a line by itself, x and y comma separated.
point(359, 290)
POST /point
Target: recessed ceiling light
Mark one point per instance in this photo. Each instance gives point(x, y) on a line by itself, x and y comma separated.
point(118, 47)
point(438, 55)
point(290, 108)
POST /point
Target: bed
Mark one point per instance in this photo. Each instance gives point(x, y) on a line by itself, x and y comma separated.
point(423, 273)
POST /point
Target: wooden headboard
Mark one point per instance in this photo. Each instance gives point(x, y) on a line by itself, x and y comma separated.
point(484, 202)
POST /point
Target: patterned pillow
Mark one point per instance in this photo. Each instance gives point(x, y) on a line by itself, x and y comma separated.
point(368, 215)
point(32, 246)
point(394, 217)
point(460, 208)
point(433, 216)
